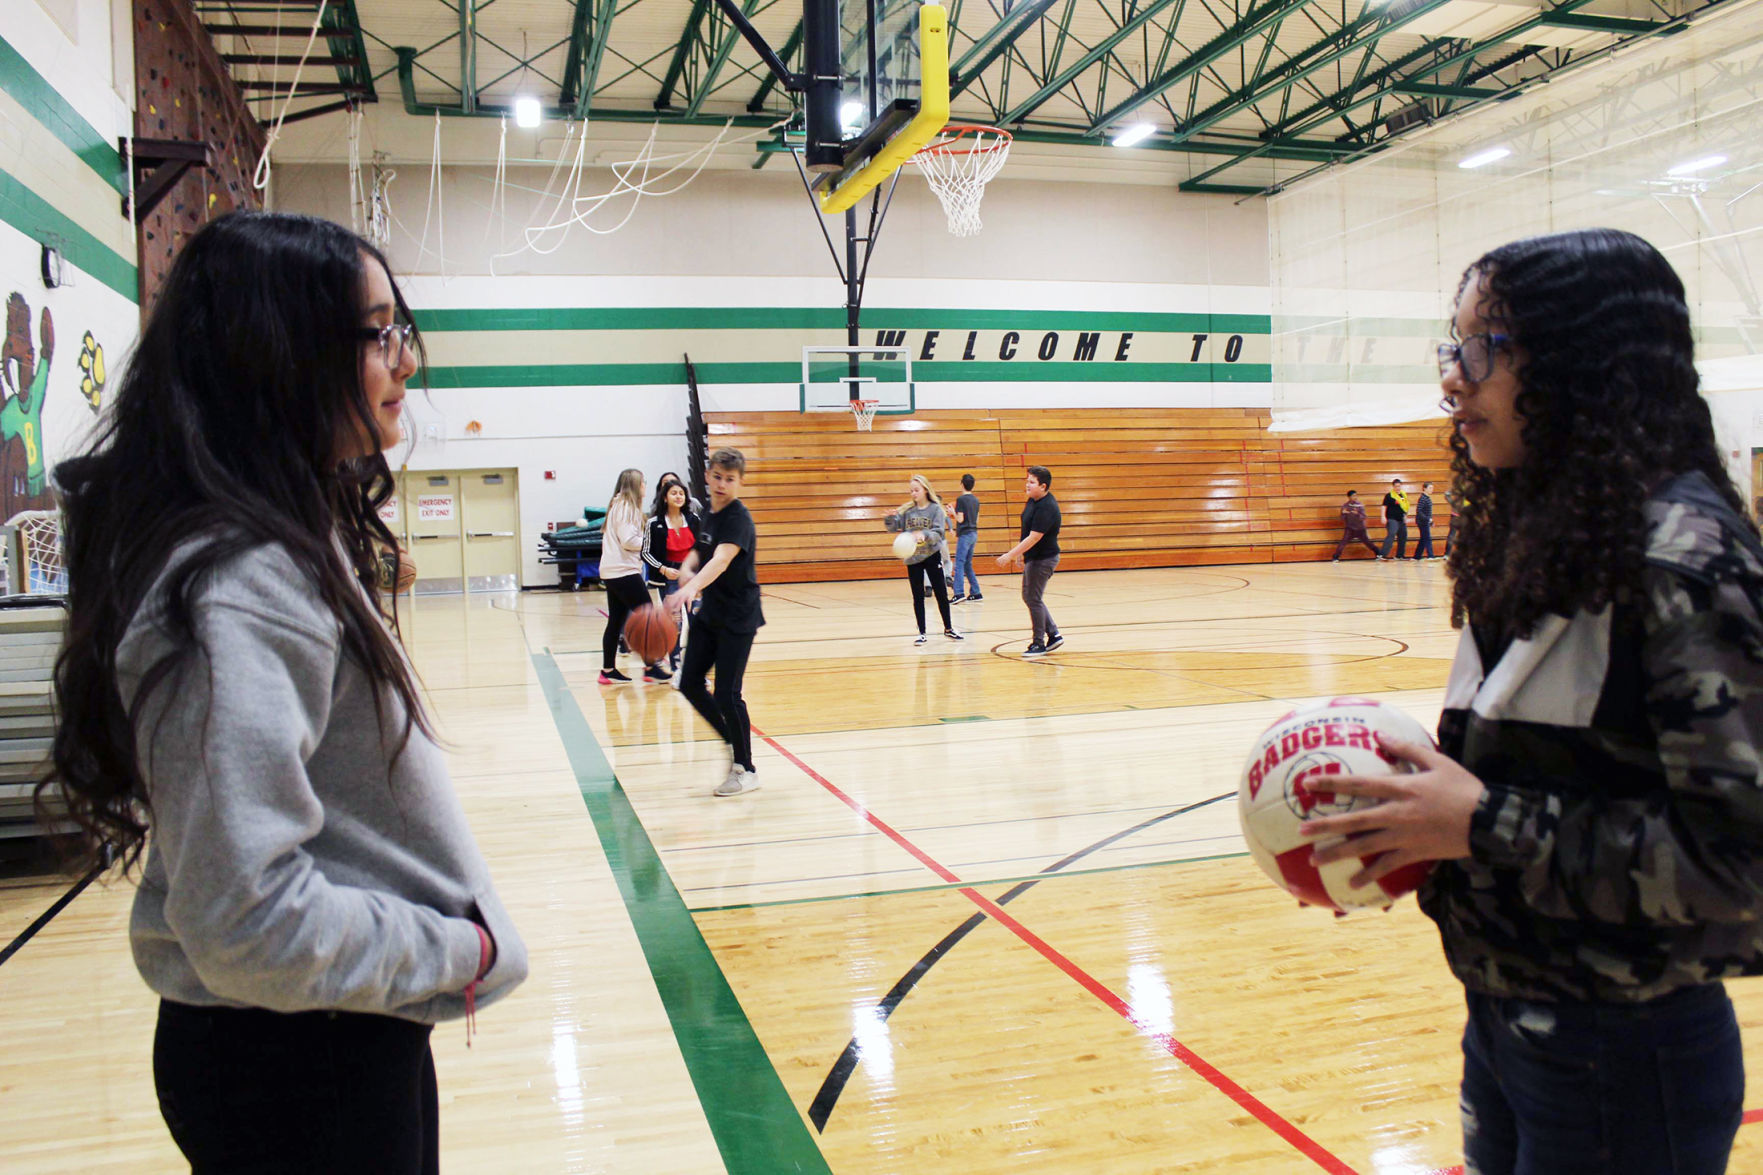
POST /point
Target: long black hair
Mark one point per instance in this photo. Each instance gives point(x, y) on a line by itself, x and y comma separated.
point(243, 388)
point(662, 484)
point(1610, 408)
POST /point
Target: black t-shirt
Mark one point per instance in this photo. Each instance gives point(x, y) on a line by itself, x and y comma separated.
point(968, 506)
point(1395, 508)
point(732, 601)
point(1041, 515)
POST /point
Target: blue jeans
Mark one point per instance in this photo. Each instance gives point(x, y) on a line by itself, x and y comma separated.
point(964, 545)
point(1601, 1088)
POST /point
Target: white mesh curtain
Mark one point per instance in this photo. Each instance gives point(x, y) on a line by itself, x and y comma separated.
point(1365, 260)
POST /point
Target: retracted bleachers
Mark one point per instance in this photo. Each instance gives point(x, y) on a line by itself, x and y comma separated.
point(1138, 487)
point(30, 639)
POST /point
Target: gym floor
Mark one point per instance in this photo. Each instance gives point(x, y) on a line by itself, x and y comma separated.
point(985, 914)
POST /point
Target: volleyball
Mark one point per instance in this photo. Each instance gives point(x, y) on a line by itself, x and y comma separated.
point(905, 545)
point(1285, 781)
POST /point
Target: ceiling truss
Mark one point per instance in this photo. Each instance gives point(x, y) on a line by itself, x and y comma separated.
point(1257, 92)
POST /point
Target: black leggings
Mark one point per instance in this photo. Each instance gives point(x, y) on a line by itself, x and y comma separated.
point(915, 573)
point(250, 1092)
point(624, 595)
point(727, 712)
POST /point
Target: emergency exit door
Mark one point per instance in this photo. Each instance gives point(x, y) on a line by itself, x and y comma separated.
point(461, 528)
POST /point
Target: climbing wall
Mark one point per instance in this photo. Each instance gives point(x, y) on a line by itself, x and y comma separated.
point(185, 93)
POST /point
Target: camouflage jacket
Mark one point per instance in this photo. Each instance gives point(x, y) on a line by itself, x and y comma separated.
point(1618, 852)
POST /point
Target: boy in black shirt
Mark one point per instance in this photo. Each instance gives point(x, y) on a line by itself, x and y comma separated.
point(723, 630)
point(1395, 524)
point(1037, 555)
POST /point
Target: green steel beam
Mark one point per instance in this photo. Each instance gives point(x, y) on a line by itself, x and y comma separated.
point(1342, 102)
point(588, 34)
point(1312, 58)
point(1221, 189)
point(1592, 22)
point(1254, 22)
point(707, 81)
point(689, 40)
point(994, 42)
point(561, 112)
point(1464, 93)
point(467, 56)
point(1102, 48)
point(1303, 151)
point(757, 102)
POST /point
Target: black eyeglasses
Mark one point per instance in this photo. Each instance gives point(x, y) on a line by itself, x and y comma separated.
point(1474, 356)
point(392, 338)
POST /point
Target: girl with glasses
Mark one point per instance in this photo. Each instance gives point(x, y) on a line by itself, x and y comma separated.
point(1596, 805)
point(312, 901)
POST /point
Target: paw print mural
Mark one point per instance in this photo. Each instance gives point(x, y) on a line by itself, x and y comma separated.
point(92, 372)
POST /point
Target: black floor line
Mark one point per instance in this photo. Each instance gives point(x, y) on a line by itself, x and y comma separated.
point(834, 1085)
point(48, 915)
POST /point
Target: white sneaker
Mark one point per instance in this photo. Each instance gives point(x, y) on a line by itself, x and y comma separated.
point(739, 782)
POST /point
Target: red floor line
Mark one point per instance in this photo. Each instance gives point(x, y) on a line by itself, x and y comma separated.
point(1213, 1076)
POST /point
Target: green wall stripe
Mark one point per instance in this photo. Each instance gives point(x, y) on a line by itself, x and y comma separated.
point(599, 375)
point(35, 217)
point(817, 318)
point(34, 91)
point(757, 1127)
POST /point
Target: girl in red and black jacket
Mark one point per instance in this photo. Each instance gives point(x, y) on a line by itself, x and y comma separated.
point(673, 529)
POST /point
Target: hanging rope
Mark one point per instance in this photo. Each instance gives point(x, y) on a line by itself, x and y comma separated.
point(260, 178)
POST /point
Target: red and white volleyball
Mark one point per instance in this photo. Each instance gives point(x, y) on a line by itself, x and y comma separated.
point(1285, 782)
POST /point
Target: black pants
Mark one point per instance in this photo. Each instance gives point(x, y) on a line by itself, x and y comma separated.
point(624, 595)
point(915, 573)
point(1395, 531)
point(710, 645)
point(250, 1092)
point(1354, 536)
point(1423, 544)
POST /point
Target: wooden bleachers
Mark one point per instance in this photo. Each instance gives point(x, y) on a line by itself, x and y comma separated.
point(1138, 487)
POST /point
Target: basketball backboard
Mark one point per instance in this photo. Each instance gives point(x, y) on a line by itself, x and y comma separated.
point(834, 376)
point(893, 92)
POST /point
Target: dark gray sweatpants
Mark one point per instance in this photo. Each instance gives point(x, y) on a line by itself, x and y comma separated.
point(1035, 574)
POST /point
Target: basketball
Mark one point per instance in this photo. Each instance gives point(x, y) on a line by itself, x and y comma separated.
point(1285, 782)
point(905, 545)
point(650, 632)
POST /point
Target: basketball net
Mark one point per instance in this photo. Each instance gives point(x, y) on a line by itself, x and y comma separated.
point(958, 164)
point(864, 411)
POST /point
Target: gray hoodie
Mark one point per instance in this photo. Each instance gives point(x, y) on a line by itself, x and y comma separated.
point(929, 521)
point(292, 865)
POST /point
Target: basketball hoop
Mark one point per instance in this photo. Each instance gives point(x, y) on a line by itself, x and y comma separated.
point(958, 164)
point(864, 411)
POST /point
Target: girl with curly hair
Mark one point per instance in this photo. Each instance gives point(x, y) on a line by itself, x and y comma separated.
point(1596, 804)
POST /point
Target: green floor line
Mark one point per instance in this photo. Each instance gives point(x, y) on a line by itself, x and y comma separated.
point(989, 881)
point(757, 1127)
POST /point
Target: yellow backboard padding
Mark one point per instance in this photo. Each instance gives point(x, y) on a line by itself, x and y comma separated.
point(932, 116)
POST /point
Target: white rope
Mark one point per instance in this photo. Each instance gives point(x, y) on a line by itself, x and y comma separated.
point(379, 211)
point(260, 178)
point(647, 183)
point(357, 191)
point(434, 210)
point(499, 188)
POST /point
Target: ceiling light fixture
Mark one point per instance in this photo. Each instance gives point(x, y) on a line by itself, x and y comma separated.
point(1135, 134)
point(1696, 165)
point(526, 112)
point(1483, 158)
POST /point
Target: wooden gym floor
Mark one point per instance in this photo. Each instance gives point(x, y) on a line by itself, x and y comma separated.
point(984, 915)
